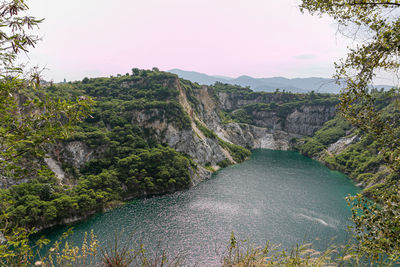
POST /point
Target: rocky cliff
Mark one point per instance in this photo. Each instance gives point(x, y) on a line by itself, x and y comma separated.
point(153, 133)
point(271, 128)
point(268, 128)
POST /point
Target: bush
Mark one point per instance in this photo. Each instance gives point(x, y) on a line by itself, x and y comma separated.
point(207, 132)
point(238, 153)
point(332, 131)
point(224, 163)
point(311, 148)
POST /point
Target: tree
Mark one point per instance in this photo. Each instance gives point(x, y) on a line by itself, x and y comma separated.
point(379, 21)
point(14, 34)
point(29, 119)
point(135, 71)
point(377, 228)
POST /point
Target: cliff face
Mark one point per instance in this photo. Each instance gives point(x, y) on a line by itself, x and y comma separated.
point(203, 105)
point(269, 128)
point(308, 119)
point(232, 101)
point(257, 137)
point(152, 133)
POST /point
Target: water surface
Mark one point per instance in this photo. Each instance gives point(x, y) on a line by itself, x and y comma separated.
point(278, 196)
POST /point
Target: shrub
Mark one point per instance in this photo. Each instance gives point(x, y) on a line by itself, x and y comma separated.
point(311, 148)
point(224, 163)
point(238, 153)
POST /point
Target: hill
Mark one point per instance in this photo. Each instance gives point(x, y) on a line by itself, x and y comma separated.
point(154, 133)
point(295, 85)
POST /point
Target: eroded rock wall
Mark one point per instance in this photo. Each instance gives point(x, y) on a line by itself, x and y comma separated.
point(269, 130)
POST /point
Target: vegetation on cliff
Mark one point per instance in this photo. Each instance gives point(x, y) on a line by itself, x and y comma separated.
point(130, 163)
point(248, 105)
point(133, 162)
point(362, 158)
point(377, 25)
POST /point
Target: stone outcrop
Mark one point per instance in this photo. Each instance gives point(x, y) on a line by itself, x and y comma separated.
point(3, 240)
point(341, 144)
point(55, 167)
point(201, 149)
point(308, 119)
point(269, 130)
point(232, 101)
point(253, 137)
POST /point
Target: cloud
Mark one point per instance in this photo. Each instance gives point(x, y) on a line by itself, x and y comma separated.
point(305, 56)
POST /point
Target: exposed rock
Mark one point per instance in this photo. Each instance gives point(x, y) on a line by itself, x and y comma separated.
point(6, 182)
point(254, 137)
point(308, 119)
point(231, 101)
point(55, 167)
point(341, 144)
point(77, 153)
point(270, 131)
point(199, 175)
point(201, 149)
point(3, 240)
point(305, 120)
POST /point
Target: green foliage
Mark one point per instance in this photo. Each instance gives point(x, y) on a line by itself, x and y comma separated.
point(154, 171)
point(274, 104)
point(15, 35)
point(242, 253)
point(239, 154)
point(224, 163)
point(332, 131)
point(378, 227)
point(361, 157)
point(157, 86)
point(128, 162)
point(30, 120)
point(24, 136)
point(241, 116)
point(118, 97)
point(207, 132)
point(311, 148)
point(236, 89)
point(379, 52)
point(190, 89)
point(225, 117)
point(17, 252)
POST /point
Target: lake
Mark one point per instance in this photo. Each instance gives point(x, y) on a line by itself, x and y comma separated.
point(280, 196)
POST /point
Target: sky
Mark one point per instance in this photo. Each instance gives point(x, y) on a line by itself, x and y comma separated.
point(259, 38)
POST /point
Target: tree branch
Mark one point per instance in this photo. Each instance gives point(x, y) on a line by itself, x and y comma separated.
point(373, 4)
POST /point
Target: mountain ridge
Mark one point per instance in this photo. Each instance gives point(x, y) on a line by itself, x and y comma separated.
point(271, 84)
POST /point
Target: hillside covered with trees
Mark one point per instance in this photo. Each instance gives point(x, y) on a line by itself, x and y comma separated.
point(73, 149)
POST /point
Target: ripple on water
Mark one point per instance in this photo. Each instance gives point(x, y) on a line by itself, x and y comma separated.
point(279, 196)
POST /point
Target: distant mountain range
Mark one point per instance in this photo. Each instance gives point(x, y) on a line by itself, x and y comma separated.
point(296, 85)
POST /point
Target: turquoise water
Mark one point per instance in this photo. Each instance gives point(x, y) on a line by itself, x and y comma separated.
point(278, 196)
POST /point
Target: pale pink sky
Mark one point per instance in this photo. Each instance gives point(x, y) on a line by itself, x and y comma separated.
point(260, 38)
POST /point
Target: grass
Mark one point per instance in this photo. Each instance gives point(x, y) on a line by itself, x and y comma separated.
point(237, 253)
